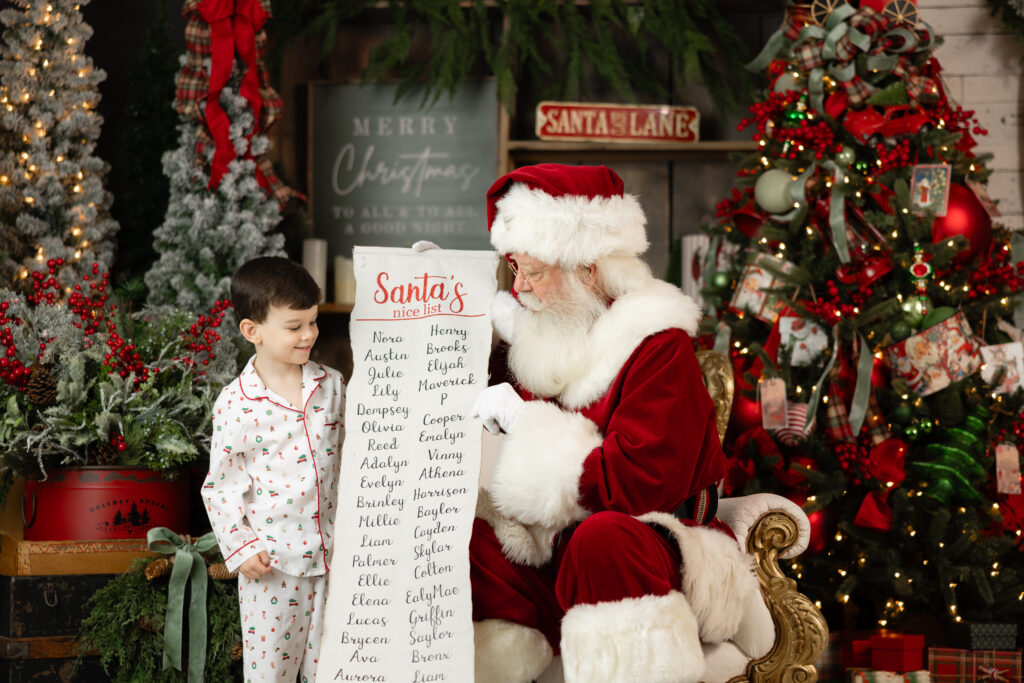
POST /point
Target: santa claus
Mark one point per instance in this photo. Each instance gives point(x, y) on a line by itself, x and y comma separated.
point(597, 539)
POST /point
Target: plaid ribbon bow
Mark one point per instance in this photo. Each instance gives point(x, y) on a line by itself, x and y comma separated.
point(217, 31)
point(848, 32)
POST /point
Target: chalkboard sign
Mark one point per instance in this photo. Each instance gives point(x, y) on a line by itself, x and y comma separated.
point(388, 174)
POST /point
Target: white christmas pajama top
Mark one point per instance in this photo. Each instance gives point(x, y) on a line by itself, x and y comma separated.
point(274, 470)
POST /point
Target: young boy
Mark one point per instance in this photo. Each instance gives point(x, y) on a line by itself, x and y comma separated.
point(275, 457)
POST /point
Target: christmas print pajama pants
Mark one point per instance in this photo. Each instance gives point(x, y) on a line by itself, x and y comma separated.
point(282, 621)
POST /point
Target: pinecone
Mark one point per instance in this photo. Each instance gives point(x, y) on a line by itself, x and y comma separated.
point(158, 567)
point(41, 388)
point(220, 572)
point(102, 453)
point(147, 624)
point(236, 651)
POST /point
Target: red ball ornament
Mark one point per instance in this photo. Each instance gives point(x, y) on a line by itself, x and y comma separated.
point(965, 215)
point(745, 415)
point(823, 524)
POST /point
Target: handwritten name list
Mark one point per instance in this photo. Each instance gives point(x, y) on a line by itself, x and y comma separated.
point(399, 606)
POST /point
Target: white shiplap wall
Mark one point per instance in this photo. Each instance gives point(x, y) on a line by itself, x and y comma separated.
point(981, 66)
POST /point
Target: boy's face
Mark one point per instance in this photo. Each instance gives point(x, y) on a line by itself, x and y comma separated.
point(285, 336)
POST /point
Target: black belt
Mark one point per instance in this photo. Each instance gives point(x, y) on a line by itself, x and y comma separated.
point(700, 508)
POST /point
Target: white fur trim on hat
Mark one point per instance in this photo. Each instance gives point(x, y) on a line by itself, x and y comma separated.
point(507, 652)
point(718, 577)
point(537, 471)
point(570, 230)
point(652, 639)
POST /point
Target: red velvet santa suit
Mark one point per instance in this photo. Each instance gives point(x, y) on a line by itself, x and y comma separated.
point(576, 547)
point(587, 483)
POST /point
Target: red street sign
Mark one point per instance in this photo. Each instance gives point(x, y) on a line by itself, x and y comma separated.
point(617, 122)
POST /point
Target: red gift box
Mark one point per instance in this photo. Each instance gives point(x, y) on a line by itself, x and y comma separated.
point(899, 653)
point(856, 647)
point(950, 665)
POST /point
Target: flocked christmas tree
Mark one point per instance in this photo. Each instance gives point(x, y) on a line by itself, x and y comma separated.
point(865, 294)
point(224, 199)
point(53, 206)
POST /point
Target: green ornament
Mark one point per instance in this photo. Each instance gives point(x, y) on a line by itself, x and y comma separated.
point(720, 280)
point(846, 156)
point(771, 191)
point(926, 427)
point(915, 309)
point(900, 330)
point(911, 432)
point(901, 413)
point(861, 166)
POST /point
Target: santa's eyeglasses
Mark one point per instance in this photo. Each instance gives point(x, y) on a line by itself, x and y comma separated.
point(529, 278)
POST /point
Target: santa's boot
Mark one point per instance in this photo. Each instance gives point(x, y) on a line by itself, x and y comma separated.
point(652, 639)
point(507, 652)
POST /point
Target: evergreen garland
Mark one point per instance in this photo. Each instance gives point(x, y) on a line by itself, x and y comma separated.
point(125, 625)
point(515, 38)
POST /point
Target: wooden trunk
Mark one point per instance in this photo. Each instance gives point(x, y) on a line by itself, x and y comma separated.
point(39, 618)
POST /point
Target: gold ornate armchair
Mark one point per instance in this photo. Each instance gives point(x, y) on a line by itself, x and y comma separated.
point(771, 528)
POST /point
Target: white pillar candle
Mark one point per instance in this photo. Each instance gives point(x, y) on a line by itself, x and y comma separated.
point(314, 259)
point(344, 281)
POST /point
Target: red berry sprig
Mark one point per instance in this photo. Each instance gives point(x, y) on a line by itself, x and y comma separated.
point(202, 335)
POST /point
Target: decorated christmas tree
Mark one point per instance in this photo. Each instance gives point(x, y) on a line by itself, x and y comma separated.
point(225, 200)
point(864, 293)
point(53, 207)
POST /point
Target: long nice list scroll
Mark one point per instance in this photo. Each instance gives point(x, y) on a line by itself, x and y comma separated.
point(399, 606)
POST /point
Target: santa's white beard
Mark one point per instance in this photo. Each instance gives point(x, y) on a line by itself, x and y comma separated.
point(549, 348)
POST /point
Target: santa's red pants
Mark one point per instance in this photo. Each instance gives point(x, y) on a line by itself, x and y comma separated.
point(609, 556)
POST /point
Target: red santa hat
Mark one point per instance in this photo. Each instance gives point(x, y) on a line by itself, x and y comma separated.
point(569, 215)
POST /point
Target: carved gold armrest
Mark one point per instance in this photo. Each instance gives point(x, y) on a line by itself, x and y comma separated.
point(801, 633)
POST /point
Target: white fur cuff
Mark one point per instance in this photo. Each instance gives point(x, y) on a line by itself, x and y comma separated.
point(507, 652)
point(652, 639)
point(718, 577)
point(537, 472)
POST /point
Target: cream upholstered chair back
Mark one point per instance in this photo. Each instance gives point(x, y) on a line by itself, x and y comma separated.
point(771, 528)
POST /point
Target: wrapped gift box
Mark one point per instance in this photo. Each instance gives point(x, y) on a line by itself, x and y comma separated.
point(869, 676)
point(931, 360)
point(989, 636)
point(950, 665)
point(899, 653)
point(753, 291)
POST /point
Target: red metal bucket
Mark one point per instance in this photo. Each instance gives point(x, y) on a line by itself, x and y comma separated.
point(98, 503)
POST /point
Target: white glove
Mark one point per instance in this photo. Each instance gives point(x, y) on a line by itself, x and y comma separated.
point(498, 407)
point(423, 245)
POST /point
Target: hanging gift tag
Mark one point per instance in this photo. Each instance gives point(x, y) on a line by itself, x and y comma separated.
point(772, 395)
point(1007, 469)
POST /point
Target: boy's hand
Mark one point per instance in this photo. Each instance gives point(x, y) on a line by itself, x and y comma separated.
point(256, 567)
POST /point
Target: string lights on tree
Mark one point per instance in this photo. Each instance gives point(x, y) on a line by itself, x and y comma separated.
point(53, 205)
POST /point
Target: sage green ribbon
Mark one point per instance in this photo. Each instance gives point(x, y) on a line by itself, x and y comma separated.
point(837, 212)
point(819, 388)
point(189, 568)
point(862, 393)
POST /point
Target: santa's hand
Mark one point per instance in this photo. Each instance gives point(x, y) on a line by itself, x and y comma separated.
point(498, 407)
point(423, 245)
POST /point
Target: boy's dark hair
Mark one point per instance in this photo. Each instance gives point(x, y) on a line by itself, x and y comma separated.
point(271, 281)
